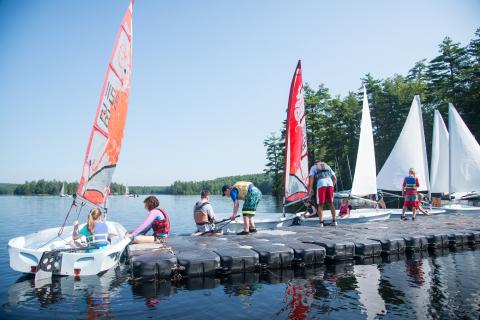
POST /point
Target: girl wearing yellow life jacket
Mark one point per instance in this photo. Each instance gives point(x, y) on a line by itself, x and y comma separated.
point(251, 196)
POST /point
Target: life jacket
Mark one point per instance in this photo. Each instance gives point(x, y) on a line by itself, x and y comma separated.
point(161, 226)
point(243, 188)
point(411, 184)
point(201, 217)
point(99, 236)
point(323, 171)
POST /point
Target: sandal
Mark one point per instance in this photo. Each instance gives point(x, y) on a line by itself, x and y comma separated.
point(243, 233)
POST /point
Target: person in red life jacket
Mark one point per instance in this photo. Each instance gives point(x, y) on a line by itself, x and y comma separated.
point(157, 220)
point(345, 208)
point(95, 232)
point(409, 191)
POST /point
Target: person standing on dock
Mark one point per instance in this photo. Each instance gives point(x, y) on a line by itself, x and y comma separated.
point(251, 196)
point(203, 213)
point(409, 191)
point(325, 181)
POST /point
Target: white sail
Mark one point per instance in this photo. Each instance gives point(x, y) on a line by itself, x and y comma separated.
point(127, 191)
point(62, 191)
point(464, 155)
point(409, 151)
point(440, 158)
point(365, 178)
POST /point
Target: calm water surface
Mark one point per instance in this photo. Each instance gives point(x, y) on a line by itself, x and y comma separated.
point(431, 285)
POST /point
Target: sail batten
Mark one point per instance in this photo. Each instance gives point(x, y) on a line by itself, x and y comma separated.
point(296, 152)
point(365, 177)
point(409, 152)
point(106, 137)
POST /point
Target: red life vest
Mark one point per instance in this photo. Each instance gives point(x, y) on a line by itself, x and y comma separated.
point(161, 227)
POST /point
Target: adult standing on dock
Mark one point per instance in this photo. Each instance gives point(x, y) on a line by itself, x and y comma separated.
point(251, 196)
point(325, 181)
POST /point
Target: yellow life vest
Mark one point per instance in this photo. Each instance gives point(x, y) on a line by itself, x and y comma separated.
point(242, 187)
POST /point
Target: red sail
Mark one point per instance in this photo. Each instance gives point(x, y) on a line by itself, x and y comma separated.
point(296, 156)
point(107, 134)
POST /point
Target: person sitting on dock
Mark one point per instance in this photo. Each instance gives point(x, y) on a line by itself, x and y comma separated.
point(310, 211)
point(345, 208)
point(251, 196)
point(157, 220)
point(95, 232)
point(380, 201)
point(421, 198)
point(325, 181)
point(409, 191)
point(203, 213)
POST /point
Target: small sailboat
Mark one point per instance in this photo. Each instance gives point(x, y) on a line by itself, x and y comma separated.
point(364, 180)
point(48, 252)
point(296, 159)
point(461, 160)
point(62, 191)
point(409, 151)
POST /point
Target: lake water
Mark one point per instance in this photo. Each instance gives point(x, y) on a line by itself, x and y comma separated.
point(432, 285)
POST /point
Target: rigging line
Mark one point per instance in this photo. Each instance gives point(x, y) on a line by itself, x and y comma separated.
point(65, 221)
point(79, 209)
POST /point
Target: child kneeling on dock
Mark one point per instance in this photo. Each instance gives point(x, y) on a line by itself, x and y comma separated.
point(203, 214)
point(345, 208)
point(157, 220)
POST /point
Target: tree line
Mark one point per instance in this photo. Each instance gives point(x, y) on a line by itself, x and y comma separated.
point(52, 187)
point(333, 122)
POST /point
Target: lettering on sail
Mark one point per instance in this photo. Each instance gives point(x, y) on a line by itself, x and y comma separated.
point(108, 102)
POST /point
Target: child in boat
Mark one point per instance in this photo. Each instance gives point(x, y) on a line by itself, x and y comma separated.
point(345, 208)
point(95, 232)
point(310, 211)
point(409, 191)
point(157, 220)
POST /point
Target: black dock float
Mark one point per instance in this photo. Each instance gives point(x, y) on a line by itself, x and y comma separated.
point(273, 253)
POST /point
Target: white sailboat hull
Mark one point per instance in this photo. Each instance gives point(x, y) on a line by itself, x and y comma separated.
point(356, 216)
point(26, 251)
point(396, 213)
point(260, 224)
point(460, 208)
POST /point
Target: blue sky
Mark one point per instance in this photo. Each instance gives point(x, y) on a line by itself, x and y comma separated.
point(210, 79)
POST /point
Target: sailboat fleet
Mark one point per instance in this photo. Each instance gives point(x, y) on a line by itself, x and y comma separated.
point(456, 152)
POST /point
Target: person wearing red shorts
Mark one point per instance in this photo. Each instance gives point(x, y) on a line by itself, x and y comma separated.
point(409, 191)
point(325, 181)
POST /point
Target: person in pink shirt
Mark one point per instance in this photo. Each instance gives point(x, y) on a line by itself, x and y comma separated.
point(157, 220)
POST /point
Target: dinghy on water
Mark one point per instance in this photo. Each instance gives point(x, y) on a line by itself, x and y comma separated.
point(409, 151)
point(365, 178)
point(461, 157)
point(62, 191)
point(48, 252)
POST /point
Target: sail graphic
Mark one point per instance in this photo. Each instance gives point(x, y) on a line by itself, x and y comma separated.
point(409, 151)
point(464, 155)
point(440, 158)
point(365, 178)
point(296, 156)
point(107, 133)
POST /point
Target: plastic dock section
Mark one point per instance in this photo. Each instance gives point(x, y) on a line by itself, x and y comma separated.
point(299, 247)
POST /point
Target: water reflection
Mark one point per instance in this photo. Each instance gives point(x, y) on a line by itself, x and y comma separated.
point(439, 284)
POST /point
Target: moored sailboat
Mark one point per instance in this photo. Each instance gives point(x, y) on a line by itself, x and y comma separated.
point(48, 252)
point(364, 180)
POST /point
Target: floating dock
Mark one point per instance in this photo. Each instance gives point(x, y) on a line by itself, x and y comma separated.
point(299, 247)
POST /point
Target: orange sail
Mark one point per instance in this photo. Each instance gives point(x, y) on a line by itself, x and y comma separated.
point(106, 138)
